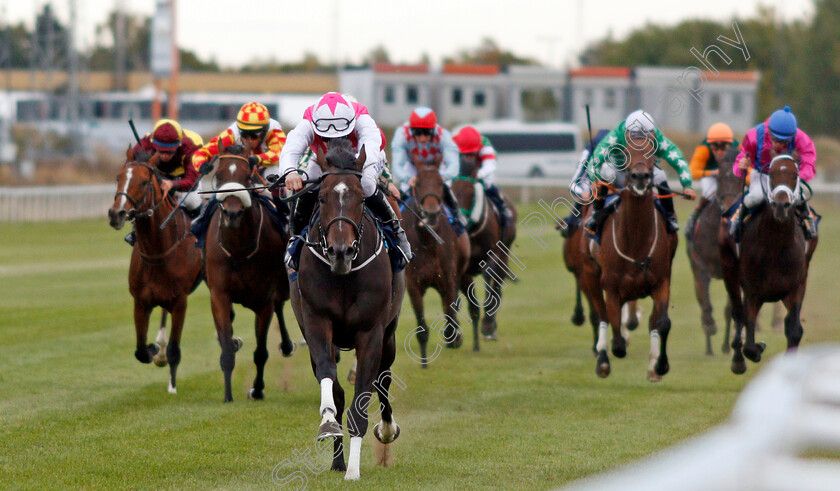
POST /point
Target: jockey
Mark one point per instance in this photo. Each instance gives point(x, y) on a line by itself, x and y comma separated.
point(777, 135)
point(637, 131)
point(175, 148)
point(580, 186)
point(707, 159)
point(475, 147)
point(421, 140)
point(335, 116)
point(253, 123)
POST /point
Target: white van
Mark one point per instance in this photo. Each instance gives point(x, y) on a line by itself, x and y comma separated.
point(547, 149)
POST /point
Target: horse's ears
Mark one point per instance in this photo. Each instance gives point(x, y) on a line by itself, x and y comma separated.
point(154, 159)
point(361, 159)
point(320, 157)
point(129, 154)
point(220, 146)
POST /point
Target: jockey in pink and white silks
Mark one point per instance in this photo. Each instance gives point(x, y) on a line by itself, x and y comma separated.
point(777, 135)
point(421, 140)
point(337, 116)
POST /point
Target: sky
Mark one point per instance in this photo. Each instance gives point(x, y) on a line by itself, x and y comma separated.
point(235, 32)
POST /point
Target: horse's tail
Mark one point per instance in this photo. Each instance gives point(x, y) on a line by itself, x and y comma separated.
point(577, 317)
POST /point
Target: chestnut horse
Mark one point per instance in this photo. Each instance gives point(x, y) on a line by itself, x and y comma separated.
point(165, 265)
point(489, 248)
point(635, 259)
point(244, 254)
point(772, 264)
point(436, 265)
point(346, 296)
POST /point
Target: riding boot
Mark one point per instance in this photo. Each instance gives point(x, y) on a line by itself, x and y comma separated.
point(735, 222)
point(692, 219)
point(131, 238)
point(452, 203)
point(498, 200)
point(807, 216)
point(300, 218)
point(593, 223)
point(282, 208)
point(571, 220)
point(379, 205)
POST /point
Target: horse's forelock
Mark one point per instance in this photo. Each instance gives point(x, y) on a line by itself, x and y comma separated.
point(341, 154)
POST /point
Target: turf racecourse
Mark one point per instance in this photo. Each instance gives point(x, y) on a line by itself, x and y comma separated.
point(78, 411)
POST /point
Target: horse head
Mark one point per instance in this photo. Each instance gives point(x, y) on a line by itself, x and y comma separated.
point(730, 187)
point(639, 170)
point(138, 189)
point(233, 176)
point(428, 192)
point(342, 201)
point(470, 163)
point(784, 186)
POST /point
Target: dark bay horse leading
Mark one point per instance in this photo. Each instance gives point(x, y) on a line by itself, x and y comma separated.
point(438, 266)
point(244, 254)
point(635, 259)
point(489, 248)
point(346, 296)
point(165, 265)
point(772, 264)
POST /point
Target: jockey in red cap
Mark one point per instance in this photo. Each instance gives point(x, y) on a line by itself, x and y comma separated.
point(476, 148)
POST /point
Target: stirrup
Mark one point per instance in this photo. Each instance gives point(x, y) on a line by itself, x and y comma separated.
point(131, 238)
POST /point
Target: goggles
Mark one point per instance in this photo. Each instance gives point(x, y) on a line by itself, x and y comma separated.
point(720, 145)
point(337, 124)
point(250, 135)
point(422, 131)
point(779, 140)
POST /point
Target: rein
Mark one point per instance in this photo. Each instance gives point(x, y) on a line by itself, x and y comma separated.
point(253, 174)
point(149, 188)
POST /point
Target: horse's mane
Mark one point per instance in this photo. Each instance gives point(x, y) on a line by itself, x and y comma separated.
point(142, 156)
point(341, 154)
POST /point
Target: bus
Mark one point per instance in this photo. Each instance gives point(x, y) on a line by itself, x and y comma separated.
point(549, 149)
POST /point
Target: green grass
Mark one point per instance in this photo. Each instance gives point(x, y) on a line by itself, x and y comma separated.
point(78, 411)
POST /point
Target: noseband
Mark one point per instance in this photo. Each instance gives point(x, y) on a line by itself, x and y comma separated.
point(792, 194)
point(136, 203)
point(421, 199)
point(357, 228)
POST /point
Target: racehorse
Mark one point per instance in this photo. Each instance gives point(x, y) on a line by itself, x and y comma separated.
point(577, 261)
point(244, 254)
point(489, 248)
point(346, 296)
point(436, 265)
point(165, 264)
point(772, 264)
point(635, 259)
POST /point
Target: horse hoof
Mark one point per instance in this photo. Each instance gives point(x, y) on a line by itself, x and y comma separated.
point(652, 376)
point(578, 318)
point(254, 395)
point(352, 476)
point(739, 367)
point(377, 432)
point(339, 468)
point(725, 349)
point(237, 344)
point(619, 350)
point(662, 368)
point(171, 389)
point(491, 337)
point(289, 350)
point(456, 343)
point(160, 358)
point(329, 429)
point(476, 347)
point(603, 370)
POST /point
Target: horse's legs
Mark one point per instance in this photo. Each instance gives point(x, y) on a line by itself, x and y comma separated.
point(387, 430)
point(660, 327)
point(287, 346)
point(613, 309)
point(701, 291)
point(752, 350)
point(143, 352)
point(578, 318)
point(161, 341)
point(220, 304)
point(415, 294)
point(779, 323)
point(619, 342)
point(492, 302)
point(452, 331)
point(475, 312)
point(369, 348)
point(727, 315)
point(173, 349)
point(262, 321)
point(729, 268)
point(793, 324)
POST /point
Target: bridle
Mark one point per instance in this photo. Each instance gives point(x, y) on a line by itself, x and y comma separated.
point(358, 228)
point(132, 213)
point(419, 200)
point(792, 193)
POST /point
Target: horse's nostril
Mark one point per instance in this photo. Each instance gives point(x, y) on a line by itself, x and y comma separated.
point(351, 251)
point(330, 250)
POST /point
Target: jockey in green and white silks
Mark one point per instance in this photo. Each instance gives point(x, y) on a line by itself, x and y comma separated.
point(639, 125)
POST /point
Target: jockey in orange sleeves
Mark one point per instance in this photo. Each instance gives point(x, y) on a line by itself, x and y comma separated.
point(474, 147)
point(337, 116)
point(705, 164)
point(175, 148)
point(777, 135)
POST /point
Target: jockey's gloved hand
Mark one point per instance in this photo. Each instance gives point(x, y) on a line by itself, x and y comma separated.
point(253, 160)
point(274, 181)
point(206, 168)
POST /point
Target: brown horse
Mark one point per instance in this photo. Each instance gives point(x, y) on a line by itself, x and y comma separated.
point(635, 259)
point(347, 296)
point(489, 248)
point(244, 254)
point(772, 264)
point(587, 274)
point(165, 265)
point(436, 265)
